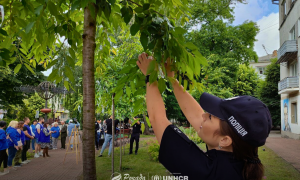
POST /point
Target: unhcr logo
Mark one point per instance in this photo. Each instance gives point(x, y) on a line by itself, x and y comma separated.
point(237, 126)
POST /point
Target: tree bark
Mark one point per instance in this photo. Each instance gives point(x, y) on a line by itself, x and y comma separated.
point(146, 131)
point(88, 52)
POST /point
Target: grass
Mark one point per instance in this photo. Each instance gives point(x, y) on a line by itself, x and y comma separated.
point(145, 136)
point(134, 165)
point(276, 168)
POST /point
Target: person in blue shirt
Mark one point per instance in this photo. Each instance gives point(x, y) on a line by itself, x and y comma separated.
point(70, 127)
point(33, 130)
point(56, 132)
point(28, 137)
point(44, 138)
point(3, 148)
point(12, 139)
point(37, 133)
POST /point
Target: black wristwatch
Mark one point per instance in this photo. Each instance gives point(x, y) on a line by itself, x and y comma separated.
point(147, 79)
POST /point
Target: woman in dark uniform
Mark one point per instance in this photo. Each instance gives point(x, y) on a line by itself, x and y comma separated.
point(232, 129)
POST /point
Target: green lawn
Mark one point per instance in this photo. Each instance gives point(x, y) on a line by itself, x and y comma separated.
point(275, 167)
point(145, 136)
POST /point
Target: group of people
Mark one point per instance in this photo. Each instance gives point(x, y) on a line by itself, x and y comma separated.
point(106, 130)
point(18, 136)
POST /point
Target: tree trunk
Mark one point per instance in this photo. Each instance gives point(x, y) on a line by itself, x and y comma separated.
point(146, 131)
point(88, 52)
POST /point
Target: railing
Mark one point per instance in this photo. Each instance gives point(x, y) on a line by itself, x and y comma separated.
point(288, 82)
point(288, 46)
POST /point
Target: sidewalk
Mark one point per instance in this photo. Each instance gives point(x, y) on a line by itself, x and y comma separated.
point(288, 149)
point(49, 168)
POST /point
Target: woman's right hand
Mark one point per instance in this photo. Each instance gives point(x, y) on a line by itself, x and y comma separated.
point(17, 147)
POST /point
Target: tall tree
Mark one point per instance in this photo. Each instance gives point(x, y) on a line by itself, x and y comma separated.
point(268, 91)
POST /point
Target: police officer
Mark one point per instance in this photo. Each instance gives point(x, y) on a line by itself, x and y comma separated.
point(135, 136)
point(232, 129)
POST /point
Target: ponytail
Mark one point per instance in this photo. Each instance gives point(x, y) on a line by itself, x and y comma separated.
point(253, 168)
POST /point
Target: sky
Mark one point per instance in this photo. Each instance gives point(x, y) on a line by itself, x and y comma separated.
point(265, 14)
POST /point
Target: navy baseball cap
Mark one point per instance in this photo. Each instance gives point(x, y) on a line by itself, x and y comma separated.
point(246, 115)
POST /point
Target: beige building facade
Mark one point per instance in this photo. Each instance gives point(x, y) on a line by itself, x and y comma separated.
point(288, 58)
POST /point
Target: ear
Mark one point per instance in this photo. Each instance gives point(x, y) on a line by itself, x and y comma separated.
point(225, 141)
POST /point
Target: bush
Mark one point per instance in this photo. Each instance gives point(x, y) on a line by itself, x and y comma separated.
point(191, 134)
point(153, 149)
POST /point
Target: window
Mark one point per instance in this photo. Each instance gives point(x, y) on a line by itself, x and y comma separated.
point(284, 8)
point(294, 69)
point(261, 70)
point(292, 34)
point(294, 113)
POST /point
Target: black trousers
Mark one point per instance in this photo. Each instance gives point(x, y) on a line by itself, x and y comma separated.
point(3, 158)
point(63, 142)
point(25, 149)
point(134, 137)
point(96, 141)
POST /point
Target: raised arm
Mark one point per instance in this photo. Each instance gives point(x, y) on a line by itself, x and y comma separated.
point(189, 106)
point(155, 105)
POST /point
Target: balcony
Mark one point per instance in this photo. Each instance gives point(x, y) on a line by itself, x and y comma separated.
point(288, 51)
point(288, 85)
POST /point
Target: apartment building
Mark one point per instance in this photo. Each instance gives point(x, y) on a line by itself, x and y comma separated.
point(288, 58)
point(262, 63)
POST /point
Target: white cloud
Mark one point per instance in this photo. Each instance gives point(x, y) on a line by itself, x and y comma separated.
point(253, 10)
point(268, 35)
point(48, 72)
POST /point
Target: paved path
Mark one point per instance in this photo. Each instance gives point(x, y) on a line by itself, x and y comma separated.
point(288, 149)
point(51, 168)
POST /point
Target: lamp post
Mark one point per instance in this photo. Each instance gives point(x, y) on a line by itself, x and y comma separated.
point(45, 90)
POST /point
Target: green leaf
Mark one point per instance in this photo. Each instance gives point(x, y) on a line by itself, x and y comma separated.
point(52, 8)
point(191, 46)
point(52, 63)
point(185, 84)
point(75, 5)
point(153, 77)
point(151, 67)
point(53, 75)
point(17, 68)
point(134, 29)
point(70, 61)
point(161, 85)
point(142, 127)
point(144, 40)
point(66, 84)
point(128, 91)
point(179, 30)
point(29, 68)
point(112, 2)
point(29, 27)
point(139, 9)
point(118, 94)
point(69, 74)
point(125, 70)
point(3, 32)
point(92, 10)
point(72, 53)
point(148, 122)
point(107, 10)
point(37, 11)
point(146, 6)
point(58, 79)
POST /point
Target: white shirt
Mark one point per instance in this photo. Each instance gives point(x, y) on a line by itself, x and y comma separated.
point(100, 126)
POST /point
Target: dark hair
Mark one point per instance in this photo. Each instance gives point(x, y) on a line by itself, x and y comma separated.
point(2, 124)
point(45, 125)
point(25, 118)
point(253, 168)
point(34, 121)
point(20, 123)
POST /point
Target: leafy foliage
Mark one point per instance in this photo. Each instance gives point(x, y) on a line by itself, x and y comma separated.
point(268, 91)
point(31, 105)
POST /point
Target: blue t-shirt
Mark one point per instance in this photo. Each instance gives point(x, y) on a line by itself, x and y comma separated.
point(56, 134)
point(3, 141)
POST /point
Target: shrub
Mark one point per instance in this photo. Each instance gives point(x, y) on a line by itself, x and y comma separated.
point(153, 149)
point(191, 134)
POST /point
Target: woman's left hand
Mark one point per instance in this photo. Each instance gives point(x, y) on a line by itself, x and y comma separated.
point(143, 62)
